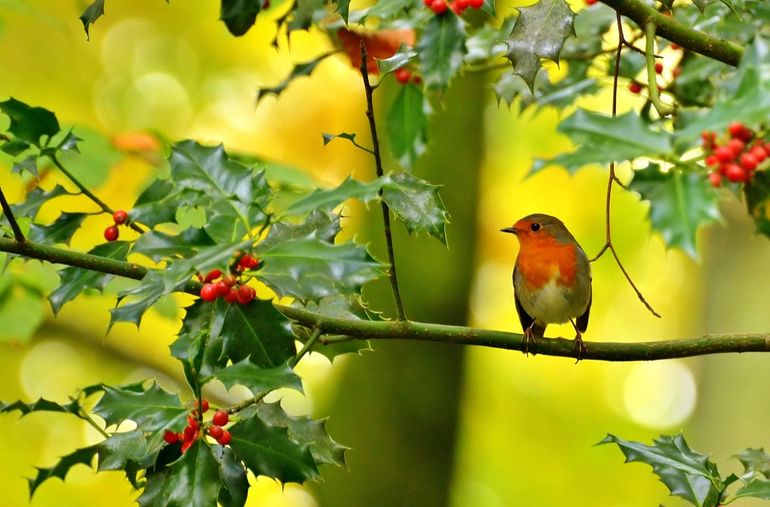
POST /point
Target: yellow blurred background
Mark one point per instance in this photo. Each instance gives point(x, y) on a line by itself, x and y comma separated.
point(429, 425)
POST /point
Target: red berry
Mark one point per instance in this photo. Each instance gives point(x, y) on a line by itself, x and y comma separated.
point(216, 432)
point(186, 445)
point(403, 75)
point(245, 294)
point(759, 152)
point(265, 5)
point(229, 280)
point(427, 3)
point(735, 173)
point(212, 275)
point(476, 4)
point(120, 217)
point(658, 68)
point(724, 154)
point(736, 146)
point(674, 45)
point(220, 418)
point(438, 6)
point(749, 161)
point(249, 262)
point(457, 8)
point(591, 2)
point(202, 404)
point(111, 233)
point(192, 422)
point(232, 295)
point(225, 438)
point(715, 179)
point(635, 87)
point(712, 160)
point(170, 437)
point(736, 128)
point(221, 289)
point(209, 292)
point(189, 434)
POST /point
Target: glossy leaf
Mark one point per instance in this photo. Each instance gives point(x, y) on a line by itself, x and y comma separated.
point(407, 125)
point(159, 245)
point(83, 456)
point(268, 451)
point(235, 484)
point(417, 205)
point(539, 32)
point(755, 461)
point(239, 15)
point(152, 410)
point(257, 379)
point(93, 12)
point(29, 123)
point(756, 488)
point(441, 48)
point(327, 200)
point(35, 200)
point(157, 204)
point(319, 223)
point(60, 231)
point(403, 56)
point(680, 203)
point(686, 473)
point(117, 451)
point(41, 405)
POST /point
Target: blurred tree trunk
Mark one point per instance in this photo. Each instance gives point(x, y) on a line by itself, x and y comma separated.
point(397, 407)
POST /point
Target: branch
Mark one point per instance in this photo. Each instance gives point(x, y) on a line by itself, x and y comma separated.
point(671, 29)
point(378, 165)
point(11, 219)
point(419, 331)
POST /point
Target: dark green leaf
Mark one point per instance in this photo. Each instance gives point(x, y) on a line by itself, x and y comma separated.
point(91, 14)
point(343, 9)
point(29, 123)
point(60, 231)
point(299, 70)
point(540, 32)
point(269, 451)
point(14, 147)
point(73, 281)
point(407, 125)
point(305, 13)
point(204, 320)
point(28, 164)
point(257, 379)
point(325, 226)
point(327, 200)
point(417, 205)
point(343, 135)
point(685, 472)
point(157, 204)
point(755, 461)
point(235, 484)
point(239, 15)
point(441, 48)
point(680, 202)
point(191, 481)
point(306, 432)
point(757, 488)
point(159, 245)
point(34, 200)
point(152, 410)
point(41, 405)
point(116, 451)
point(310, 268)
point(84, 456)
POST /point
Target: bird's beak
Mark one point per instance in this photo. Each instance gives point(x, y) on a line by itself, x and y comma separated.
point(511, 230)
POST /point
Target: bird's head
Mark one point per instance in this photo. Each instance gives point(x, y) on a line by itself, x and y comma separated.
point(540, 229)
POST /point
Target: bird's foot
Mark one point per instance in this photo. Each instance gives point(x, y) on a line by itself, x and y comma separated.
point(578, 347)
point(529, 340)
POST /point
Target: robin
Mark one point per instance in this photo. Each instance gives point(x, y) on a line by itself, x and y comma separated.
point(551, 278)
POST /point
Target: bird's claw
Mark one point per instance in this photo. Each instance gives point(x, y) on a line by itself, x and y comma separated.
point(578, 347)
point(529, 339)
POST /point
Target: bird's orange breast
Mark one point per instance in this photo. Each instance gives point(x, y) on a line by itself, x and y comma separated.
point(542, 258)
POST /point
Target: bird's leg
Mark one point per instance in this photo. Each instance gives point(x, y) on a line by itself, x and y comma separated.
point(529, 338)
point(578, 347)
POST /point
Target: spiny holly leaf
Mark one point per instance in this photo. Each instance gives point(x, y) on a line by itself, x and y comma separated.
point(684, 471)
point(91, 14)
point(152, 410)
point(157, 204)
point(60, 231)
point(41, 405)
point(203, 320)
point(299, 70)
point(239, 15)
point(159, 245)
point(680, 202)
point(342, 135)
point(193, 480)
point(84, 456)
point(13, 147)
point(441, 48)
point(417, 205)
point(310, 268)
point(73, 281)
point(343, 9)
point(325, 226)
point(121, 448)
point(327, 200)
point(755, 461)
point(305, 13)
point(540, 32)
point(35, 199)
point(29, 123)
point(235, 484)
point(255, 378)
point(403, 56)
point(306, 432)
point(268, 451)
point(602, 139)
point(407, 125)
point(756, 488)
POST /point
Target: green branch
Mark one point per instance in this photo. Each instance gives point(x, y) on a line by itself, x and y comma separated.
point(671, 29)
point(420, 331)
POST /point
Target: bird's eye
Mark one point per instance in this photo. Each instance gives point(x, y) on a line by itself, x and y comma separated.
point(535, 227)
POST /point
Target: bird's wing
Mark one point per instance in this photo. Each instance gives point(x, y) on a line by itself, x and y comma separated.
point(525, 318)
point(582, 321)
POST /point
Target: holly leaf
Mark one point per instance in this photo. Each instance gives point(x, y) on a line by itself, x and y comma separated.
point(407, 125)
point(34, 200)
point(756, 488)
point(268, 451)
point(327, 200)
point(152, 409)
point(41, 405)
point(73, 281)
point(539, 32)
point(299, 70)
point(321, 224)
point(157, 204)
point(686, 473)
point(310, 268)
point(255, 378)
point(306, 432)
point(403, 56)
point(416, 203)
point(680, 203)
point(235, 484)
point(192, 480)
point(259, 332)
point(60, 231)
point(755, 461)
point(29, 123)
point(602, 139)
point(116, 452)
point(83, 456)
point(159, 245)
point(441, 48)
point(239, 15)
point(93, 12)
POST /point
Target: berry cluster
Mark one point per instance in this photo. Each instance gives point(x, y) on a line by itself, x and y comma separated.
point(228, 287)
point(120, 217)
point(734, 156)
point(439, 7)
point(193, 430)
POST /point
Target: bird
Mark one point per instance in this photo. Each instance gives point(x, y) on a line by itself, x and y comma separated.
point(551, 279)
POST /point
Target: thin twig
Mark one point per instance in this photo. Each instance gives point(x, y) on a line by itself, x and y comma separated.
point(400, 315)
point(306, 347)
point(652, 82)
point(17, 234)
point(90, 194)
point(612, 179)
point(247, 403)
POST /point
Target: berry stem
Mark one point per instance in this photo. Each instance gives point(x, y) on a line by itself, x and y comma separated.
point(306, 347)
point(652, 83)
